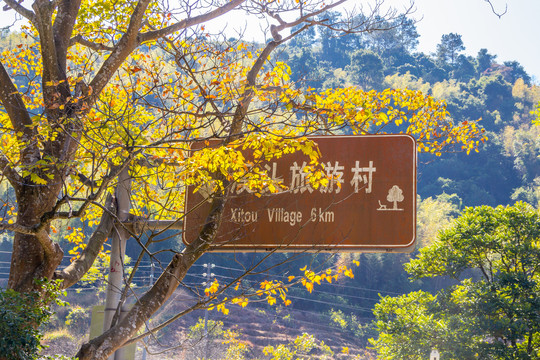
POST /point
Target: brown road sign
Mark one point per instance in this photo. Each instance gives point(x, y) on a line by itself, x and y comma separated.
point(369, 204)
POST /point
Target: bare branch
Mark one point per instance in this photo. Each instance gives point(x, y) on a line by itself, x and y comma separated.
point(202, 304)
point(86, 181)
point(132, 38)
point(284, 25)
point(54, 214)
point(15, 5)
point(499, 14)
point(153, 299)
point(156, 34)
point(105, 344)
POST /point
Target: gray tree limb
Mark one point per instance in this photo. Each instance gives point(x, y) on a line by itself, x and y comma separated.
point(76, 270)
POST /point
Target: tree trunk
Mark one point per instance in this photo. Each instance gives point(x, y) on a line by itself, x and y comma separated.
point(34, 256)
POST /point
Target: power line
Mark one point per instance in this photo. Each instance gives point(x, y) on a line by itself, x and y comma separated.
point(244, 270)
point(323, 314)
point(338, 285)
point(323, 302)
point(317, 290)
point(331, 303)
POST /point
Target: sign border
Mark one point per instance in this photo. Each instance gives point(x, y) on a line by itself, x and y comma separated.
point(406, 248)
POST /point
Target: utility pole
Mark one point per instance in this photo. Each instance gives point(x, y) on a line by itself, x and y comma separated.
point(209, 276)
point(118, 250)
point(151, 283)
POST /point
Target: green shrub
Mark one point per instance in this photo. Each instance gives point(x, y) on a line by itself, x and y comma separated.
point(20, 317)
point(78, 320)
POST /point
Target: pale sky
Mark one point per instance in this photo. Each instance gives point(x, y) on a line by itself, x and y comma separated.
point(516, 36)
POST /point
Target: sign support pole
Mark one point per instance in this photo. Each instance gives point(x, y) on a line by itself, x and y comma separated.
point(118, 250)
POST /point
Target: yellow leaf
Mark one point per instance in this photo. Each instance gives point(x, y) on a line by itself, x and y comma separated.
point(212, 289)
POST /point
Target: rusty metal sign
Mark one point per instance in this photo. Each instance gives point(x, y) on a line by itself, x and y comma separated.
point(369, 204)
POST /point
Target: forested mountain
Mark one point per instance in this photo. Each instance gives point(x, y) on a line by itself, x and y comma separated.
point(501, 97)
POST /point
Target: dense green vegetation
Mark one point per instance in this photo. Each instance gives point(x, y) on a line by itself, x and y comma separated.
point(492, 313)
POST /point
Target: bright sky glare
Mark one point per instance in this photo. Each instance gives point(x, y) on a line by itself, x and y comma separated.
point(513, 37)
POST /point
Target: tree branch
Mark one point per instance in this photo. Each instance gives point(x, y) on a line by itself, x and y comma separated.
point(13, 176)
point(128, 42)
point(138, 225)
point(29, 14)
point(63, 27)
point(284, 25)
point(132, 38)
point(114, 338)
point(18, 228)
point(202, 304)
point(20, 118)
point(92, 45)
point(43, 22)
point(54, 214)
point(156, 34)
point(500, 15)
point(76, 270)
point(247, 96)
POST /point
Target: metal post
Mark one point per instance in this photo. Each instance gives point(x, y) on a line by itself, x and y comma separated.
point(118, 250)
point(151, 283)
point(208, 275)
